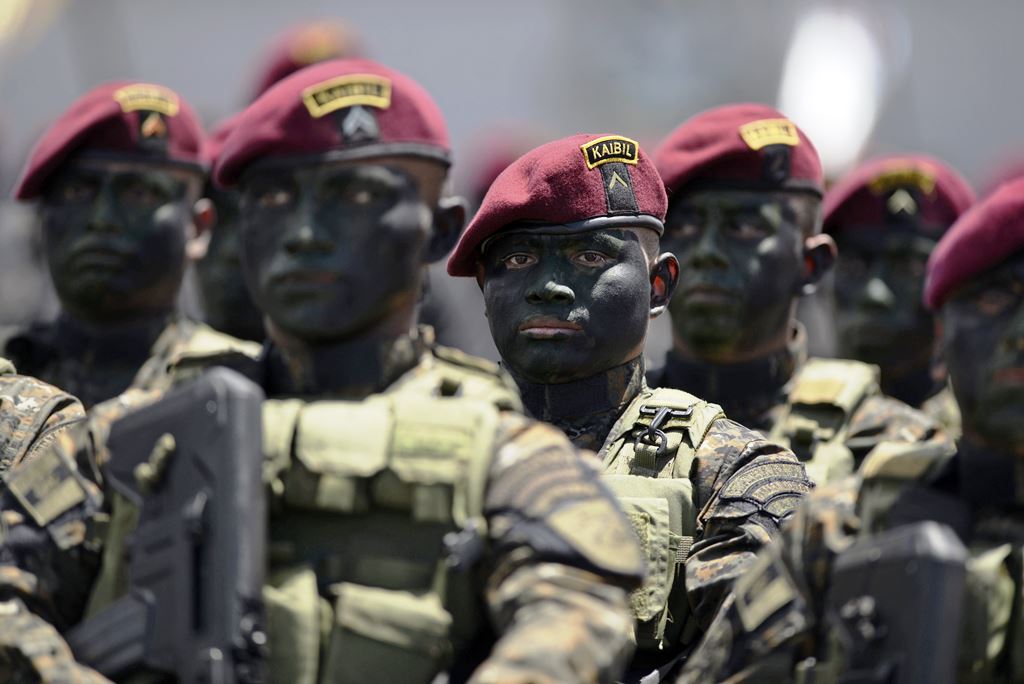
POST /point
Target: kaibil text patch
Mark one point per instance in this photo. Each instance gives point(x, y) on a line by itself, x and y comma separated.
point(920, 176)
point(611, 148)
point(147, 97)
point(765, 132)
point(347, 91)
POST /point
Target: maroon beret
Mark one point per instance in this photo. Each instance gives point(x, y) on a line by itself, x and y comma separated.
point(739, 145)
point(213, 145)
point(986, 235)
point(346, 108)
point(306, 44)
point(869, 195)
point(584, 182)
point(141, 121)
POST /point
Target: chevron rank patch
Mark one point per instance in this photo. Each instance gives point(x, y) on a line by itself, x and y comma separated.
point(611, 148)
point(147, 97)
point(347, 91)
point(46, 486)
point(765, 132)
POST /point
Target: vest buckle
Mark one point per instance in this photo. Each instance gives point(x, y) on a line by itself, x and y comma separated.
point(651, 434)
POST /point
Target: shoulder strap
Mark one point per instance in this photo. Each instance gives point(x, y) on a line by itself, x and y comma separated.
point(654, 427)
point(446, 372)
point(185, 350)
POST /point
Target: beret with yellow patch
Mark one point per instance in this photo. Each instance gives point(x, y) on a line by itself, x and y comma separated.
point(898, 189)
point(739, 146)
point(985, 236)
point(583, 182)
point(305, 44)
point(125, 120)
point(341, 109)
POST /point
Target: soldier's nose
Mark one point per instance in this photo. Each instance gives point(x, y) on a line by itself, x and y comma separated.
point(876, 292)
point(550, 292)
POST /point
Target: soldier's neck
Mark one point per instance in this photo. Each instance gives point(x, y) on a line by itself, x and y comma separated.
point(911, 382)
point(990, 477)
point(748, 390)
point(352, 368)
point(585, 409)
point(120, 343)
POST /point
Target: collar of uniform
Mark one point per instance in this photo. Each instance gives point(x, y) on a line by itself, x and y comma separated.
point(746, 391)
point(125, 343)
point(585, 409)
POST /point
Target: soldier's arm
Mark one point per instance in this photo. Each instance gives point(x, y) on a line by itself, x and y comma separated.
point(771, 624)
point(744, 487)
point(884, 419)
point(52, 523)
point(34, 413)
point(562, 559)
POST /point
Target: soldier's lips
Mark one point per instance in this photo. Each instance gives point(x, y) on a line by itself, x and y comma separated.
point(549, 328)
point(708, 295)
point(307, 278)
point(1009, 376)
point(95, 257)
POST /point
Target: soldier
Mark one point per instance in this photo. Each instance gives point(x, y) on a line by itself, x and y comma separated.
point(783, 622)
point(886, 217)
point(227, 304)
point(118, 179)
point(565, 248)
point(743, 220)
point(341, 169)
point(304, 44)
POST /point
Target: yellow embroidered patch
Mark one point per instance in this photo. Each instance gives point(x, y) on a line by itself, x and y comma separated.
point(764, 132)
point(610, 148)
point(347, 91)
point(147, 97)
point(901, 175)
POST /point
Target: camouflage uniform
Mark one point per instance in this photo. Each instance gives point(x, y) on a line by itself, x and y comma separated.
point(33, 414)
point(941, 407)
point(554, 563)
point(57, 355)
point(830, 412)
point(775, 626)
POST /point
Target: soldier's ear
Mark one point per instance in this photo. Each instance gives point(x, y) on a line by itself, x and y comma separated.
point(664, 277)
point(449, 220)
point(200, 229)
point(819, 257)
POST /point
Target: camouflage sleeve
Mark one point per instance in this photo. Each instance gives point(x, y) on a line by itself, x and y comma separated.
point(51, 529)
point(744, 487)
point(562, 559)
point(32, 414)
point(884, 419)
point(768, 627)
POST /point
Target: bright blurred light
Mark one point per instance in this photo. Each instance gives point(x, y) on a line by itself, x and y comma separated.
point(12, 16)
point(832, 84)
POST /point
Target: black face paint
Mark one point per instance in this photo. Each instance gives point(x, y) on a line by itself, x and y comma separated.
point(878, 285)
point(331, 249)
point(226, 300)
point(115, 236)
point(741, 265)
point(983, 344)
point(564, 307)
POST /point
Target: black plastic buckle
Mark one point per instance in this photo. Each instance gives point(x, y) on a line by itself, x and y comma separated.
point(653, 435)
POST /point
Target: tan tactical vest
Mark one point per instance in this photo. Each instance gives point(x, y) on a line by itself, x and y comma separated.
point(992, 628)
point(646, 463)
point(366, 500)
point(815, 422)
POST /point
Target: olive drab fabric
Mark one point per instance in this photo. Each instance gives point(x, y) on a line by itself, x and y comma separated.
point(646, 461)
point(815, 422)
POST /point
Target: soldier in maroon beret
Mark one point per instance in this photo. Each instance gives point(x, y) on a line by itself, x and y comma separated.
point(305, 44)
point(118, 179)
point(566, 250)
point(911, 568)
point(419, 523)
point(886, 217)
point(745, 188)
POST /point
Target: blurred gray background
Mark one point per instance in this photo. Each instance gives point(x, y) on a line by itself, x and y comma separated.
point(932, 76)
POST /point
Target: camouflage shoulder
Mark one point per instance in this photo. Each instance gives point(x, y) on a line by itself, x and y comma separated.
point(32, 413)
point(467, 375)
point(198, 348)
point(881, 418)
point(943, 409)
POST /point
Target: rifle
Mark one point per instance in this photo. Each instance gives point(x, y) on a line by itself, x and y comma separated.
point(191, 463)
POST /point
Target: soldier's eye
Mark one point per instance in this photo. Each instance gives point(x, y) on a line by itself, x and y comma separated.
point(748, 229)
point(75, 191)
point(142, 194)
point(995, 301)
point(519, 260)
point(687, 229)
point(591, 258)
point(273, 198)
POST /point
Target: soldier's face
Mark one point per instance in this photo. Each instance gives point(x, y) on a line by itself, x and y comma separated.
point(741, 266)
point(983, 344)
point(115, 235)
point(226, 300)
point(879, 281)
point(332, 249)
point(563, 307)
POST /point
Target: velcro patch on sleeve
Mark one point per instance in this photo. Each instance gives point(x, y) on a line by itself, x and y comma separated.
point(147, 97)
point(610, 148)
point(599, 533)
point(352, 90)
point(46, 486)
point(763, 481)
point(765, 132)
